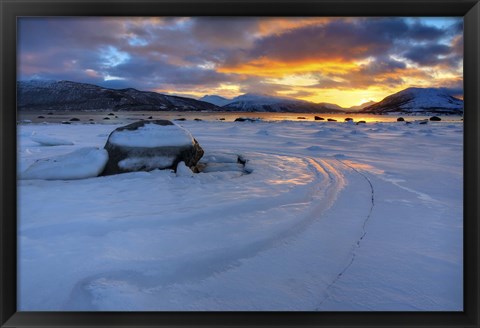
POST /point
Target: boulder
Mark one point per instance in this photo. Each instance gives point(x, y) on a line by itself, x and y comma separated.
point(400, 119)
point(348, 119)
point(244, 119)
point(331, 120)
point(149, 145)
point(318, 118)
point(435, 118)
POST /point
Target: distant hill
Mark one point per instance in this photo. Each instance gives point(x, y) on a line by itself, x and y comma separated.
point(252, 102)
point(414, 100)
point(216, 100)
point(67, 95)
point(362, 106)
point(331, 106)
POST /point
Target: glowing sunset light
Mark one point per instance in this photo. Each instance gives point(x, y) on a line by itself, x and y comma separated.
point(345, 61)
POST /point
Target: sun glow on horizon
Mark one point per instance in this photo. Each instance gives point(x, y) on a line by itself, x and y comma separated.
point(341, 60)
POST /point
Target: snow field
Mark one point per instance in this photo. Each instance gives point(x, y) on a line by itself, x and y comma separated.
point(300, 232)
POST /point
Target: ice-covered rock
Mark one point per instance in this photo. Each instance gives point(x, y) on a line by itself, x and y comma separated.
point(50, 141)
point(149, 145)
point(83, 163)
point(183, 170)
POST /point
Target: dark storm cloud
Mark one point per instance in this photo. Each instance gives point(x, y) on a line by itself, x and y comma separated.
point(427, 55)
point(382, 66)
point(150, 74)
point(340, 39)
point(221, 32)
point(420, 32)
point(36, 34)
point(258, 85)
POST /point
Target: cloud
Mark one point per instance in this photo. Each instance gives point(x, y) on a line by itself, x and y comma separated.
point(382, 66)
point(421, 32)
point(298, 56)
point(427, 55)
point(340, 39)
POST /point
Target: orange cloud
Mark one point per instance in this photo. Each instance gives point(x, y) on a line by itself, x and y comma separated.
point(266, 67)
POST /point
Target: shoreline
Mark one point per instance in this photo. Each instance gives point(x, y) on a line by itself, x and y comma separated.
point(120, 117)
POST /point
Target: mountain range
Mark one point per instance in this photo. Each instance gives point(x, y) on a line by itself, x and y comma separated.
point(266, 103)
point(68, 95)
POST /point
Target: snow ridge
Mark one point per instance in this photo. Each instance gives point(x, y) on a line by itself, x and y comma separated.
point(354, 255)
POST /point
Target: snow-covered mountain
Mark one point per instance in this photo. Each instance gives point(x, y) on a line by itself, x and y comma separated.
point(330, 105)
point(432, 100)
point(362, 106)
point(252, 102)
point(216, 100)
point(62, 95)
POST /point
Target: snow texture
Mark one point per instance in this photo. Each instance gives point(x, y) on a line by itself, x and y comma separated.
point(327, 220)
point(153, 135)
point(50, 141)
point(80, 164)
point(183, 170)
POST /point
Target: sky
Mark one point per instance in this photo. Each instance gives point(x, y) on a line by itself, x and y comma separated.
point(346, 61)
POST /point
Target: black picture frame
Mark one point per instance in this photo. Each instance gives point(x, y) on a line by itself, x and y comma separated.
point(10, 10)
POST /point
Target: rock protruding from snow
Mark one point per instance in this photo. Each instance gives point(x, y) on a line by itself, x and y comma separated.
point(149, 145)
point(83, 163)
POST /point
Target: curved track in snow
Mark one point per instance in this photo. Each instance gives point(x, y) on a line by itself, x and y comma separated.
point(358, 242)
point(314, 198)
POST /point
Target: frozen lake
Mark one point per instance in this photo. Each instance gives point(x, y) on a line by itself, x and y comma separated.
point(332, 217)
